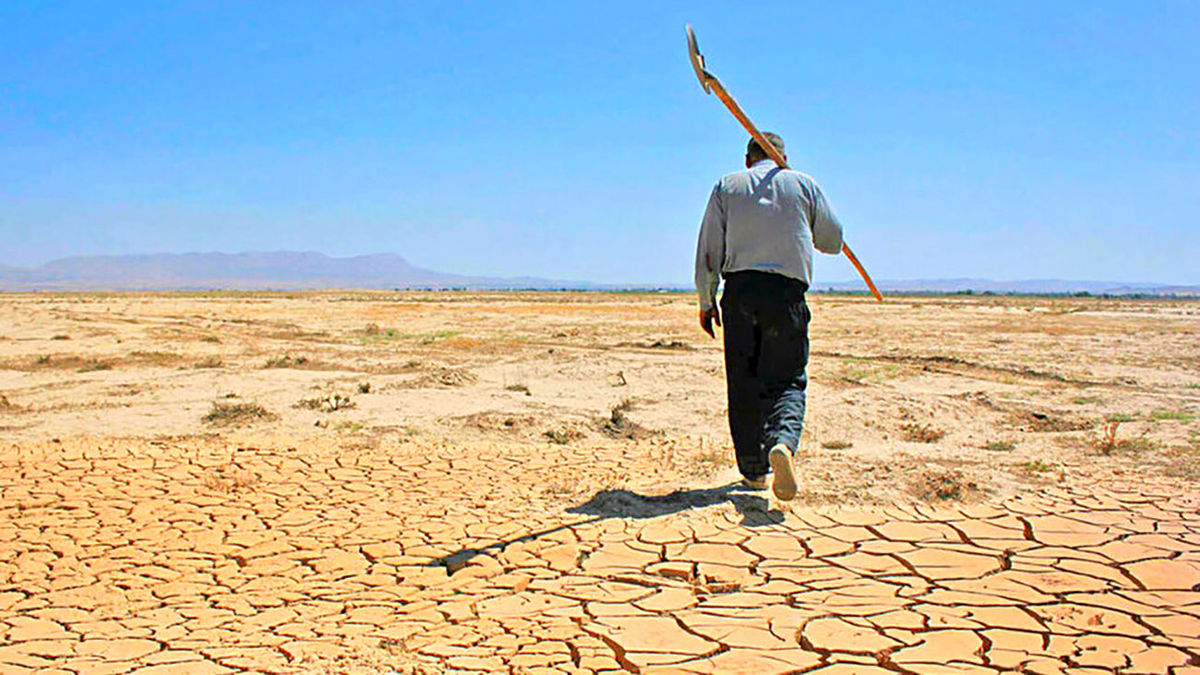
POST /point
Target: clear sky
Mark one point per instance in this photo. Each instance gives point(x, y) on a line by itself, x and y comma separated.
point(1006, 140)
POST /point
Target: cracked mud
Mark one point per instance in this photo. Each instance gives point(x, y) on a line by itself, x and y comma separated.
point(280, 546)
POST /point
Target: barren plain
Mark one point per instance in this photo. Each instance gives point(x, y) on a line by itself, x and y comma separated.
point(543, 483)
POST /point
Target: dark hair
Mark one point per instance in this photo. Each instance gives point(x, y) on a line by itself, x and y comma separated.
point(754, 150)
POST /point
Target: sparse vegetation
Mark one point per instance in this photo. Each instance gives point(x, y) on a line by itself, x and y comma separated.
point(285, 361)
point(234, 414)
point(210, 338)
point(920, 433)
point(364, 387)
point(61, 337)
point(1000, 446)
point(563, 435)
point(209, 362)
point(329, 403)
point(1119, 418)
point(618, 424)
point(709, 460)
point(94, 365)
point(1087, 400)
point(229, 479)
point(519, 387)
point(862, 371)
point(154, 358)
point(944, 485)
point(836, 445)
point(1178, 415)
point(1036, 466)
point(1108, 443)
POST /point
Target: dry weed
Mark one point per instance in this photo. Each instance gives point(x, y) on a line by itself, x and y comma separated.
point(232, 414)
point(229, 479)
point(618, 424)
point(920, 433)
point(93, 365)
point(498, 421)
point(944, 485)
point(286, 361)
point(1108, 443)
point(563, 435)
point(209, 362)
point(330, 403)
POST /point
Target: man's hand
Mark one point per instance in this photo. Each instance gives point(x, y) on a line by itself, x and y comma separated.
point(707, 318)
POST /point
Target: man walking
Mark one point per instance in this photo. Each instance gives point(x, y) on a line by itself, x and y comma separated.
point(758, 232)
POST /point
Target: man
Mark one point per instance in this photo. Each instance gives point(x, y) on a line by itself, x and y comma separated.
point(758, 233)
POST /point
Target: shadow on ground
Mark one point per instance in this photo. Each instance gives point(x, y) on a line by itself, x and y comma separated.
point(606, 504)
point(627, 504)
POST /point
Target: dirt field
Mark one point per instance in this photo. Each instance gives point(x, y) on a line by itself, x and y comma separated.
point(543, 483)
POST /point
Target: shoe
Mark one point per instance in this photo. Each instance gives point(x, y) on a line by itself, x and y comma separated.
point(757, 483)
point(785, 473)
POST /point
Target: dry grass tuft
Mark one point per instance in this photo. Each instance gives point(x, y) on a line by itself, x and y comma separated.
point(209, 362)
point(837, 445)
point(1177, 415)
point(286, 361)
point(229, 479)
point(938, 484)
point(93, 365)
point(520, 388)
point(498, 421)
point(444, 377)
point(1000, 446)
point(330, 403)
point(563, 435)
point(920, 433)
point(618, 424)
point(154, 358)
point(235, 414)
point(709, 461)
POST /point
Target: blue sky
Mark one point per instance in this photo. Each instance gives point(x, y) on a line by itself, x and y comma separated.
point(955, 139)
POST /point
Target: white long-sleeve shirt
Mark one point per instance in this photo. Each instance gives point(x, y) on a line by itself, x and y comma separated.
point(766, 219)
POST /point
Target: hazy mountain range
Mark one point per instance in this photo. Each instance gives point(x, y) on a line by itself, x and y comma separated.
point(286, 270)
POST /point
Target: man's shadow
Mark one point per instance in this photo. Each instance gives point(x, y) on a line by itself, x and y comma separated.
point(752, 506)
point(754, 509)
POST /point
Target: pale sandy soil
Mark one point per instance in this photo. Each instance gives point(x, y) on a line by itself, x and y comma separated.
point(539, 482)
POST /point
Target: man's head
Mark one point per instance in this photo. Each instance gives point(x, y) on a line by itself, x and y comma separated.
point(755, 154)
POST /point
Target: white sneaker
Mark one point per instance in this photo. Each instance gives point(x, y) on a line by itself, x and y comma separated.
point(785, 473)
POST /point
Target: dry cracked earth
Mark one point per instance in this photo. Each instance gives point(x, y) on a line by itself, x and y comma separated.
point(542, 484)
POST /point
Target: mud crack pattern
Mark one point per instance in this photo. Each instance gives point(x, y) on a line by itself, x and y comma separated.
point(421, 557)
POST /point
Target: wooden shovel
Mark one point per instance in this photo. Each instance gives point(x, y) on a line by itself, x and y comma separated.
point(711, 84)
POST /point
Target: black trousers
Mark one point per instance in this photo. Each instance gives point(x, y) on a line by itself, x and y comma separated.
point(766, 321)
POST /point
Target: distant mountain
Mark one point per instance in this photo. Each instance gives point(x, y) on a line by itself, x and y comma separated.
point(288, 270)
point(1017, 287)
point(282, 270)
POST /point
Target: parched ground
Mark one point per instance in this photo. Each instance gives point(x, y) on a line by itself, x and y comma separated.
point(466, 482)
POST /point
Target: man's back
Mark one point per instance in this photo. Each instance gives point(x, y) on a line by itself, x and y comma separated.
point(764, 219)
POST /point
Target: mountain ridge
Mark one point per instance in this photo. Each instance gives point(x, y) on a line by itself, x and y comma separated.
point(310, 270)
